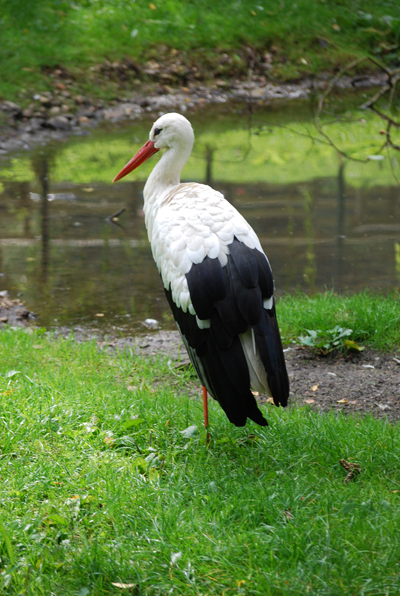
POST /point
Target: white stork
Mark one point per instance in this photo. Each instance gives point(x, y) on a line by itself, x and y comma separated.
point(216, 277)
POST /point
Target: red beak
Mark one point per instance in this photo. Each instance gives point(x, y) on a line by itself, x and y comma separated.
point(144, 153)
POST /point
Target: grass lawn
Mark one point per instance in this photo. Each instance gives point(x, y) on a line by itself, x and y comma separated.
point(101, 487)
point(303, 37)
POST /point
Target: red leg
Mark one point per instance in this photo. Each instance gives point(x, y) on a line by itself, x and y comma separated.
point(205, 407)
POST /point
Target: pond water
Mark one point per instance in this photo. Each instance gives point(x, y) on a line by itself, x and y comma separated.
point(323, 220)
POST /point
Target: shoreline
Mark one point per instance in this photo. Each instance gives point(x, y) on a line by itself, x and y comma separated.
point(51, 119)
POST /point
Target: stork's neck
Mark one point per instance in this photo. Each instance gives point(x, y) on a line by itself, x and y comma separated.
point(165, 175)
point(167, 171)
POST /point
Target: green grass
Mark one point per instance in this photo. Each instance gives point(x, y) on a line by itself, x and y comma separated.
point(99, 485)
point(39, 36)
point(374, 318)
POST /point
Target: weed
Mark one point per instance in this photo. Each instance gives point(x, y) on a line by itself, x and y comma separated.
point(324, 342)
point(374, 318)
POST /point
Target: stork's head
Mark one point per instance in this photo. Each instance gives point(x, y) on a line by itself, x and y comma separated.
point(170, 131)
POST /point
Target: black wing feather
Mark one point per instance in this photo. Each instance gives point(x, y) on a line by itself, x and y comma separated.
point(231, 297)
point(245, 262)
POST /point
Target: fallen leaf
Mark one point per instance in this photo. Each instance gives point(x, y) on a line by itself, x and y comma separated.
point(315, 387)
point(99, 314)
point(336, 27)
point(288, 514)
point(123, 586)
point(253, 13)
point(270, 400)
point(395, 491)
point(303, 61)
point(189, 432)
point(152, 6)
point(351, 345)
point(309, 401)
point(342, 401)
point(11, 373)
point(255, 393)
point(175, 558)
point(89, 189)
point(352, 468)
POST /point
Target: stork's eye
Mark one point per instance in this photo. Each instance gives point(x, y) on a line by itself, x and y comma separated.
point(157, 131)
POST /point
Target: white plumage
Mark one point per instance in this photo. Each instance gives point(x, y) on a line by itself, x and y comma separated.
point(216, 277)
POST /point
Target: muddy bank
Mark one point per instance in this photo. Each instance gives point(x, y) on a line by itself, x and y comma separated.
point(59, 114)
point(13, 312)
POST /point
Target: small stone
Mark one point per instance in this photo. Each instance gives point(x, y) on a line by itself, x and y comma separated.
point(45, 101)
point(35, 123)
point(151, 323)
point(89, 112)
point(59, 123)
point(79, 99)
point(54, 111)
point(27, 113)
point(12, 108)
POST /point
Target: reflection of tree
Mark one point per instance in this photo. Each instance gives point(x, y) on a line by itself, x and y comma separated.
point(385, 113)
point(291, 265)
point(41, 163)
point(341, 214)
point(310, 269)
point(397, 260)
point(23, 209)
point(209, 153)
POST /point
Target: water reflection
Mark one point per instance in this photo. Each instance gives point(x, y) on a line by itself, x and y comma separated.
point(40, 165)
point(77, 250)
point(341, 213)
